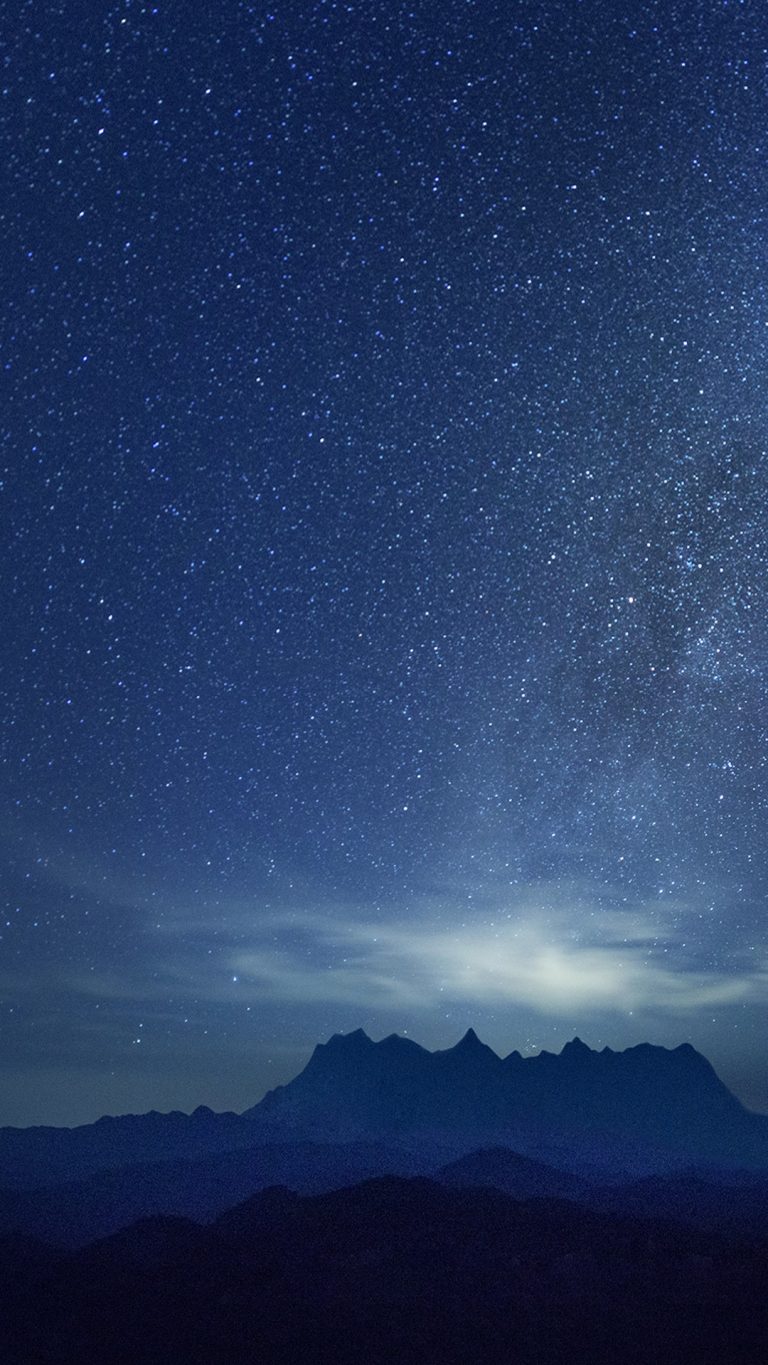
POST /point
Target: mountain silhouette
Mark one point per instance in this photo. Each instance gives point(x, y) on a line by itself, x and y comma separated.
point(636, 1110)
point(584, 1206)
point(600, 1114)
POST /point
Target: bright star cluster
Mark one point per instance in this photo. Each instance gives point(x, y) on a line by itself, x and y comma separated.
point(385, 549)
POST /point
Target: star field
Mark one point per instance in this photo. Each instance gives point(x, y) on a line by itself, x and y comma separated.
point(385, 557)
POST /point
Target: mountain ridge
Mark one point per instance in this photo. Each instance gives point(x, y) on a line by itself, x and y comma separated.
point(599, 1113)
point(580, 1102)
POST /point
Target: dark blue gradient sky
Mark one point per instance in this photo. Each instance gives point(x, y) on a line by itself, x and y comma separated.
point(385, 553)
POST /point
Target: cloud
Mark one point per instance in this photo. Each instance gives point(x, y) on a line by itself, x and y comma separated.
point(556, 950)
point(546, 962)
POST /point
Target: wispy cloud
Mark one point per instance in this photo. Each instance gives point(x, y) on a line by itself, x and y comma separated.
point(544, 962)
point(554, 950)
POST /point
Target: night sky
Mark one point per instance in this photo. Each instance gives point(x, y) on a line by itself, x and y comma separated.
point(384, 535)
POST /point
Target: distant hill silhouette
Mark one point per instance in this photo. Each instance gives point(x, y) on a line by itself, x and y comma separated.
point(77, 1212)
point(30, 1157)
point(516, 1175)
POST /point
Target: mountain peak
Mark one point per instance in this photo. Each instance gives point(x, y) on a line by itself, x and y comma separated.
point(395, 1043)
point(575, 1048)
point(470, 1046)
point(470, 1039)
point(356, 1039)
point(341, 1048)
point(688, 1050)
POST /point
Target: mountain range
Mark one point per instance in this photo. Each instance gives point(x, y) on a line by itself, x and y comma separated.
point(607, 1128)
point(605, 1112)
point(602, 1114)
point(395, 1203)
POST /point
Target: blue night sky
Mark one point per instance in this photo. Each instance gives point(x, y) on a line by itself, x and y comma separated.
point(385, 540)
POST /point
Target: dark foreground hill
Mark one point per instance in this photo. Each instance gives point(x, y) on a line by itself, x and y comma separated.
point(391, 1270)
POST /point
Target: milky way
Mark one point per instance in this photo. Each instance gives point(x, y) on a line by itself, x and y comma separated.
point(385, 550)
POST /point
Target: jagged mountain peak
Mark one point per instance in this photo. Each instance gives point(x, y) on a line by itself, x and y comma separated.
point(469, 1046)
point(340, 1050)
point(575, 1048)
point(357, 1038)
point(469, 1040)
point(357, 1046)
